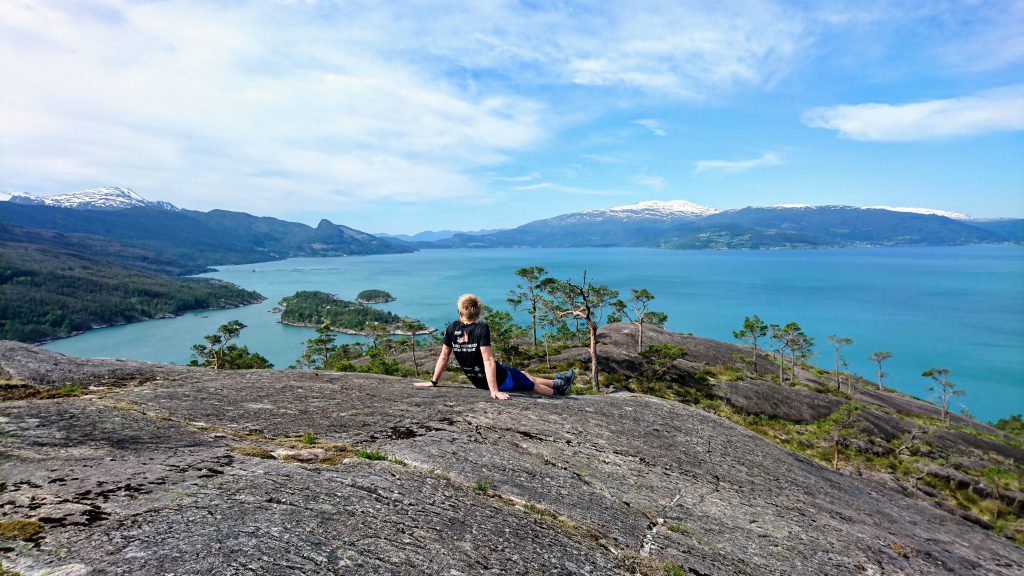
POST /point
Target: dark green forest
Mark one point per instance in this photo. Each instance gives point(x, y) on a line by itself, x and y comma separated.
point(310, 307)
point(47, 291)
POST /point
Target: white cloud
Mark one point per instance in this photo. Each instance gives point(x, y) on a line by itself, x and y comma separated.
point(523, 178)
point(653, 182)
point(550, 186)
point(734, 166)
point(262, 106)
point(257, 108)
point(688, 50)
point(983, 36)
point(604, 158)
point(657, 127)
point(242, 104)
point(998, 110)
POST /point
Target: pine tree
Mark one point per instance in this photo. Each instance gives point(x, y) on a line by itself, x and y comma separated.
point(753, 328)
point(531, 294)
point(944, 390)
point(584, 301)
point(320, 348)
point(839, 343)
point(879, 357)
point(635, 310)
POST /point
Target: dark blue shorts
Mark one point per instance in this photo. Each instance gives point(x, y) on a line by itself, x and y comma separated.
point(515, 381)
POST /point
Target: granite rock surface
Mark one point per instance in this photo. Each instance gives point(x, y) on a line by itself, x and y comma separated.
point(175, 473)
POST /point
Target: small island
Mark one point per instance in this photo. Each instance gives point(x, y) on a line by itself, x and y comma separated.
point(374, 297)
point(309, 308)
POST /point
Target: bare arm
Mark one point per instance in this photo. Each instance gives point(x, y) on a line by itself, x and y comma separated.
point(442, 363)
point(491, 371)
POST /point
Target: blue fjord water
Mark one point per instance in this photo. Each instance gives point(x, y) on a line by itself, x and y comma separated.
point(960, 308)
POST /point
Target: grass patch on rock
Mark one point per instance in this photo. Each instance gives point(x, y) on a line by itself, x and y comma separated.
point(253, 452)
point(25, 530)
point(11, 390)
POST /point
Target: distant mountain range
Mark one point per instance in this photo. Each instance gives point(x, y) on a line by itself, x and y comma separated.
point(433, 235)
point(681, 224)
point(107, 256)
point(73, 261)
point(188, 241)
point(114, 198)
point(181, 241)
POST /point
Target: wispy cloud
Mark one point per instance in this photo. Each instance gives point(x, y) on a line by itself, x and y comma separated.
point(998, 110)
point(666, 48)
point(605, 158)
point(343, 105)
point(652, 182)
point(237, 106)
point(985, 35)
point(734, 166)
point(523, 178)
point(566, 189)
point(657, 127)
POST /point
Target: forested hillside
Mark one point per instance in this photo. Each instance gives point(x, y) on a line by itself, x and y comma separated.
point(47, 291)
point(196, 240)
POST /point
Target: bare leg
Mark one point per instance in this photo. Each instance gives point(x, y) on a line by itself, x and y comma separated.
point(541, 386)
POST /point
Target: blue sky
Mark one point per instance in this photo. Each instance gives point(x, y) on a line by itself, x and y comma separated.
point(407, 116)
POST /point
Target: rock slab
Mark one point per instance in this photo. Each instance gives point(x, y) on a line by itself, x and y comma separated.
point(146, 480)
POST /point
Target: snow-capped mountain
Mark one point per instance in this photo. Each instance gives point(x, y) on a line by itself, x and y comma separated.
point(681, 224)
point(932, 211)
point(647, 210)
point(20, 197)
point(927, 211)
point(112, 198)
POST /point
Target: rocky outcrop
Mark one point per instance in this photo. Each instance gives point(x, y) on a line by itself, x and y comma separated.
point(177, 474)
point(42, 368)
point(698, 350)
point(760, 397)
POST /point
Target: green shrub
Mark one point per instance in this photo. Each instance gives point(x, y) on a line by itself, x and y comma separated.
point(673, 569)
point(1013, 425)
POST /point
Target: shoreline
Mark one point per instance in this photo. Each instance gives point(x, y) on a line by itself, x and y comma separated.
point(350, 332)
point(872, 246)
point(377, 300)
point(164, 316)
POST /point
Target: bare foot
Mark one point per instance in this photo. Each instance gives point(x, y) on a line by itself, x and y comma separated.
point(423, 385)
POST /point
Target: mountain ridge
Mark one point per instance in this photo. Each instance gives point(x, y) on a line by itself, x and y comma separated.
point(65, 270)
point(689, 226)
point(106, 198)
point(198, 240)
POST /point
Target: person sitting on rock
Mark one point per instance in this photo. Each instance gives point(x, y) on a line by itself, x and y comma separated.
point(470, 339)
